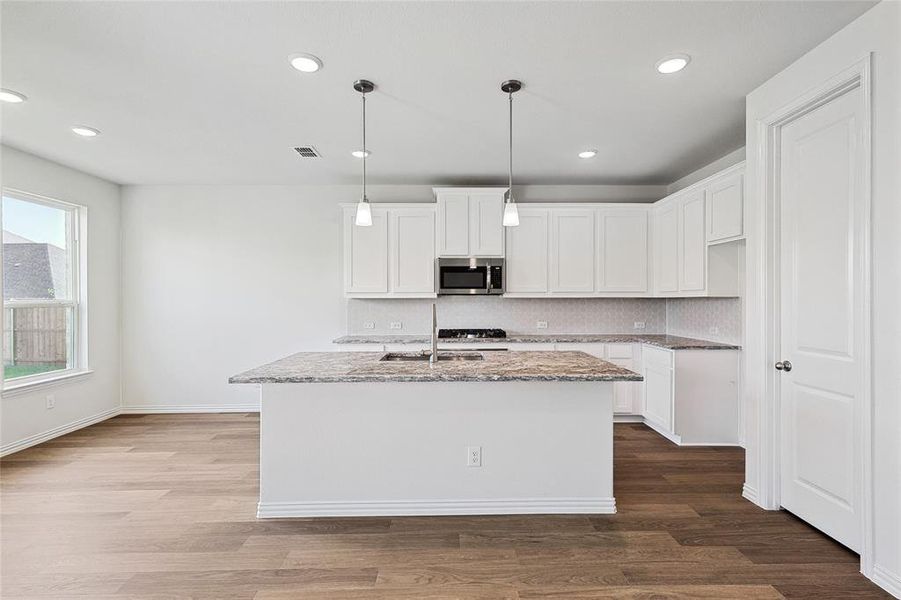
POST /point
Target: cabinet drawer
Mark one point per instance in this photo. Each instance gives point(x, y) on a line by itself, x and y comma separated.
point(619, 351)
point(658, 357)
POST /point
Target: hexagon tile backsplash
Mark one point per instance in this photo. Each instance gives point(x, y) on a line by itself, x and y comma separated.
point(693, 317)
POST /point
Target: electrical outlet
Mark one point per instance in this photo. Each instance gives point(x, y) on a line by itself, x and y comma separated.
point(542, 325)
point(51, 401)
point(474, 456)
point(714, 330)
point(638, 325)
point(396, 325)
point(368, 325)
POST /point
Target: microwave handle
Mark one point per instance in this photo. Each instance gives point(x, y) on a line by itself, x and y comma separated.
point(488, 279)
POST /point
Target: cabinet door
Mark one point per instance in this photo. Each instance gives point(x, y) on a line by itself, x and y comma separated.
point(413, 250)
point(725, 200)
point(572, 250)
point(486, 224)
point(594, 349)
point(527, 252)
point(366, 254)
point(692, 244)
point(658, 390)
point(453, 224)
point(624, 392)
point(666, 248)
point(622, 250)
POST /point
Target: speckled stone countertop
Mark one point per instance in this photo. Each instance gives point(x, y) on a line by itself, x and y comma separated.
point(326, 367)
point(670, 342)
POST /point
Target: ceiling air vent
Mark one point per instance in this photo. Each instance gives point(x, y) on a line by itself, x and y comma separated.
point(307, 152)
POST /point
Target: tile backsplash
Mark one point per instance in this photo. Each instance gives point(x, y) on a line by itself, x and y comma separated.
point(515, 315)
point(717, 319)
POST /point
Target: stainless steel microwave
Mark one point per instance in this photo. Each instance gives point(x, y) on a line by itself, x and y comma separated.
point(469, 276)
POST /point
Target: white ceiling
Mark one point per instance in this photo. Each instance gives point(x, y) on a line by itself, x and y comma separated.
point(201, 92)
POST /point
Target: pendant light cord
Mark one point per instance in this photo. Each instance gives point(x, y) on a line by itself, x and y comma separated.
point(510, 190)
point(364, 147)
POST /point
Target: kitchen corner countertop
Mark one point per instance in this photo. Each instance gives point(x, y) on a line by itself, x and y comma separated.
point(329, 367)
point(670, 342)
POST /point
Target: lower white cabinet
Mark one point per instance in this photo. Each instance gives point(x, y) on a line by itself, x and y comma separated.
point(691, 396)
point(626, 394)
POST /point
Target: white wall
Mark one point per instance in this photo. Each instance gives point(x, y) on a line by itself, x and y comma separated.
point(24, 415)
point(724, 162)
point(877, 31)
point(218, 279)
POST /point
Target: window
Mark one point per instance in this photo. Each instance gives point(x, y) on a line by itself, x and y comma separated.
point(42, 305)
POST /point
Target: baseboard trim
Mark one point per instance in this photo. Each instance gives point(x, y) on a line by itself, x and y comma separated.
point(190, 408)
point(44, 436)
point(662, 431)
point(408, 508)
point(628, 419)
point(749, 493)
point(887, 580)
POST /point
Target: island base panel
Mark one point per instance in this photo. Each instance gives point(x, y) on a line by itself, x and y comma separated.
point(400, 448)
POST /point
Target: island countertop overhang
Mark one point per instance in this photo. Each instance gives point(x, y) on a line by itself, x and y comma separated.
point(367, 367)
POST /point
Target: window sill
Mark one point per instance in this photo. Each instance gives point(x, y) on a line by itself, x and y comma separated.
point(15, 388)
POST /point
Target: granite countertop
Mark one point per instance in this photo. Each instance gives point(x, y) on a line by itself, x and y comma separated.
point(670, 342)
point(326, 367)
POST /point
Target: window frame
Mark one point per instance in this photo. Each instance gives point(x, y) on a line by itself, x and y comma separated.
point(76, 228)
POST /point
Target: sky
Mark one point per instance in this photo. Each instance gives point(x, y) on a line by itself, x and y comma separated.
point(35, 222)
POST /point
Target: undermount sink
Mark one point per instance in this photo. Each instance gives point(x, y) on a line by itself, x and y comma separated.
point(424, 356)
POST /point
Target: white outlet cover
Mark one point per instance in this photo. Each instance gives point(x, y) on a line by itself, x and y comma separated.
point(542, 325)
point(639, 325)
point(396, 325)
point(368, 325)
point(474, 456)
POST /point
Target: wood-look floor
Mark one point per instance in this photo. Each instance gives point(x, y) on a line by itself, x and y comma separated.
point(162, 506)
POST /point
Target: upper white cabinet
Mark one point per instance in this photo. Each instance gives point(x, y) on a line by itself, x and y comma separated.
point(395, 257)
point(572, 250)
point(622, 250)
point(578, 250)
point(697, 238)
point(527, 253)
point(470, 221)
point(725, 207)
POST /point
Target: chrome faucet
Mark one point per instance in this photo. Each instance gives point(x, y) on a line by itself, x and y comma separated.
point(433, 357)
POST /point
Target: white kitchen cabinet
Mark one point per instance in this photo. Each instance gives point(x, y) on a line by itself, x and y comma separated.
point(691, 396)
point(527, 253)
point(366, 254)
point(572, 250)
point(412, 250)
point(666, 247)
point(393, 258)
point(725, 207)
point(626, 394)
point(692, 243)
point(470, 221)
point(622, 250)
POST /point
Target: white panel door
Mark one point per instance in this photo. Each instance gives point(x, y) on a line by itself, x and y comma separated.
point(622, 250)
point(572, 250)
point(725, 206)
point(666, 248)
point(692, 244)
point(527, 252)
point(822, 173)
point(366, 254)
point(486, 227)
point(413, 250)
point(453, 224)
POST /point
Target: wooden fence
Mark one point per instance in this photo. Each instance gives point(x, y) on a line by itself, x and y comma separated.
point(34, 336)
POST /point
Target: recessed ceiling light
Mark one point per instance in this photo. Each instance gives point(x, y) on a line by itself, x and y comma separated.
point(588, 153)
point(361, 153)
point(672, 64)
point(12, 97)
point(305, 63)
point(85, 131)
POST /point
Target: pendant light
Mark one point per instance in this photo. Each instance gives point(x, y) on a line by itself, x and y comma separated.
point(511, 214)
point(364, 211)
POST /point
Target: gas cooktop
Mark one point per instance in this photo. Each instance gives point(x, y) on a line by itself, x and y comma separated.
point(472, 333)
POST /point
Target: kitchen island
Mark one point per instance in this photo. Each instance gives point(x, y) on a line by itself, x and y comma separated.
point(351, 434)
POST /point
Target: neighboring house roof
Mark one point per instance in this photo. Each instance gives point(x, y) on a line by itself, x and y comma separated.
point(32, 269)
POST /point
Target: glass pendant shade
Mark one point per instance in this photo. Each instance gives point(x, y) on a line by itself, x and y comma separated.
point(511, 215)
point(364, 214)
